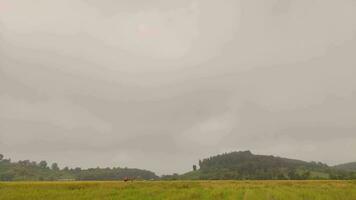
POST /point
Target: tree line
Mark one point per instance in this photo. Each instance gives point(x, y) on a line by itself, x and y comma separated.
point(26, 170)
point(244, 165)
point(241, 165)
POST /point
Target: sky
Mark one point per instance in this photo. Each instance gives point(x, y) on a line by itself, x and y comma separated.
point(160, 84)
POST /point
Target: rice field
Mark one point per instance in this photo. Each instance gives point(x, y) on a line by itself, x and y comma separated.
point(180, 190)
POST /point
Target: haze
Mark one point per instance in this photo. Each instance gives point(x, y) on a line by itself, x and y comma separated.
point(161, 84)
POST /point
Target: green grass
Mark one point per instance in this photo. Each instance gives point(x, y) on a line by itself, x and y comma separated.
point(180, 190)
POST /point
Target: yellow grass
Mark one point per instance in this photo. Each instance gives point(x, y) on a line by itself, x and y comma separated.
point(183, 190)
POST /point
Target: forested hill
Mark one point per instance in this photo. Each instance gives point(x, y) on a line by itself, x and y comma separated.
point(241, 165)
point(32, 171)
point(347, 166)
point(245, 165)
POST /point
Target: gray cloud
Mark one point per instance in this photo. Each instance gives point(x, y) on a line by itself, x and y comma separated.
point(162, 84)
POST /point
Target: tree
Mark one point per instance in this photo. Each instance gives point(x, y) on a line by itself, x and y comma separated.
point(77, 170)
point(55, 167)
point(1, 156)
point(194, 168)
point(25, 163)
point(43, 164)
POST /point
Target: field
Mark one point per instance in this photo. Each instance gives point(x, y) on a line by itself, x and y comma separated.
point(184, 190)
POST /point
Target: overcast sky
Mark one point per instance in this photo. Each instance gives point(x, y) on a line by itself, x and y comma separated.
point(160, 84)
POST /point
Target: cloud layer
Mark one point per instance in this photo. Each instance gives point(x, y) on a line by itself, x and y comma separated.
point(160, 85)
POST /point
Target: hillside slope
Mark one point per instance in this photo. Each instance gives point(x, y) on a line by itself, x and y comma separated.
point(245, 165)
point(347, 166)
point(32, 171)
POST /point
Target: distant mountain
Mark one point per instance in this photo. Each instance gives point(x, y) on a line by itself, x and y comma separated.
point(32, 171)
point(245, 165)
point(347, 166)
point(242, 165)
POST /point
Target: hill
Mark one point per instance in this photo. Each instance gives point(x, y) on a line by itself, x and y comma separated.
point(32, 171)
point(241, 165)
point(245, 165)
point(347, 166)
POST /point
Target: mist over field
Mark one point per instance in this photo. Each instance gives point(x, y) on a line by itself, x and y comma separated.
point(161, 84)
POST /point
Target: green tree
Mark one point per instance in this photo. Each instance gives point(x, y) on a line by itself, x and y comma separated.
point(55, 167)
point(43, 164)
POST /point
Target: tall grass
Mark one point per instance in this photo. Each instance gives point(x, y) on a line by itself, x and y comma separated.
point(180, 190)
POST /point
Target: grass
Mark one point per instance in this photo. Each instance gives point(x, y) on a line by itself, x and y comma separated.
point(180, 190)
